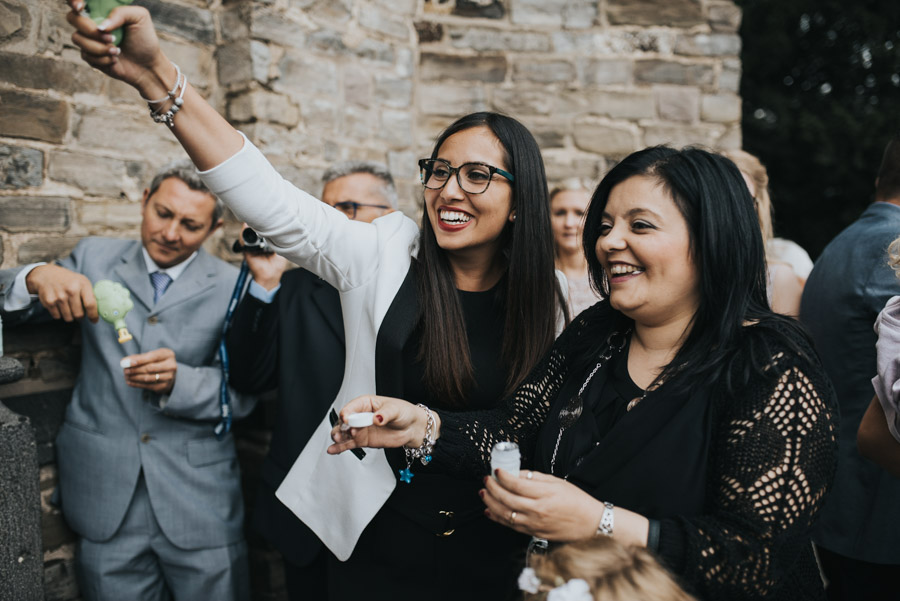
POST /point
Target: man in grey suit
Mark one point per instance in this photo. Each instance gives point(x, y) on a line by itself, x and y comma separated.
point(858, 530)
point(153, 494)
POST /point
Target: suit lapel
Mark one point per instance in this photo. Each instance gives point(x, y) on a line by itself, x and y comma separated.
point(133, 273)
point(396, 328)
point(324, 298)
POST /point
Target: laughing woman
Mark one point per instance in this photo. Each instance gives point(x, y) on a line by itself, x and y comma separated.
point(454, 316)
point(679, 414)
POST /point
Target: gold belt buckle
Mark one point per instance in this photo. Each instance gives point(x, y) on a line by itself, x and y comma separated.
point(448, 515)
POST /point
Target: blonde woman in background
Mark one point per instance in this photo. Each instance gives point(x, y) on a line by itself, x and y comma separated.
point(568, 204)
point(788, 263)
point(599, 569)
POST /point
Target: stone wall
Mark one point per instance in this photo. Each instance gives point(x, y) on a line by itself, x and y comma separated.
point(314, 81)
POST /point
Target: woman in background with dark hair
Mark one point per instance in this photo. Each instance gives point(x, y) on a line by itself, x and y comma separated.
point(453, 317)
point(680, 414)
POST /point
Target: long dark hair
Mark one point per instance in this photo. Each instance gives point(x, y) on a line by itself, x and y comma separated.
point(727, 248)
point(531, 295)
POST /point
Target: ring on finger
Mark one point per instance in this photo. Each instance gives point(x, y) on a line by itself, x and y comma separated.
point(529, 475)
point(157, 377)
point(512, 518)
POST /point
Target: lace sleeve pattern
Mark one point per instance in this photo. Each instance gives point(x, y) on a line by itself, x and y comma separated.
point(464, 448)
point(774, 459)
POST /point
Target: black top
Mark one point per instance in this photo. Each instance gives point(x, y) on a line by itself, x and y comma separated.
point(735, 479)
point(431, 538)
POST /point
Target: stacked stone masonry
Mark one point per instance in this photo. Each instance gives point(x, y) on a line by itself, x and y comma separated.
point(315, 81)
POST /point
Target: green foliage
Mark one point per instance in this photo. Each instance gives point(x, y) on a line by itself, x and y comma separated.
point(821, 94)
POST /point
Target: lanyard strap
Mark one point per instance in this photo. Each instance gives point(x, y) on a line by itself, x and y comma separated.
point(224, 426)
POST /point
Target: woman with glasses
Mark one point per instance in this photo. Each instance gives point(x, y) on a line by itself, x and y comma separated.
point(453, 316)
point(680, 414)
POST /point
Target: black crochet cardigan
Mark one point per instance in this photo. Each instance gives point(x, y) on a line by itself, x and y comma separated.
point(771, 462)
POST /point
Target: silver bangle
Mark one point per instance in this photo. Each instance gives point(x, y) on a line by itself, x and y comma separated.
point(606, 520)
point(170, 93)
point(168, 117)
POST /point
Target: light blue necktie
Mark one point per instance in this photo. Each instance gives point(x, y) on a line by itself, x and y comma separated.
point(160, 283)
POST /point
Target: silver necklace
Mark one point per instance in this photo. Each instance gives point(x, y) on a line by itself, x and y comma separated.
point(569, 414)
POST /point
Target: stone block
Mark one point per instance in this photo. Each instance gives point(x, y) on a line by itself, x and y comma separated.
point(681, 135)
point(308, 74)
point(19, 26)
point(631, 105)
point(484, 39)
point(48, 73)
point(395, 92)
point(33, 116)
point(110, 215)
point(562, 164)
point(678, 103)
point(731, 138)
point(337, 12)
point(724, 17)
point(269, 25)
point(99, 176)
point(427, 31)
point(549, 134)
point(129, 133)
point(444, 67)
point(709, 44)
point(480, 9)
point(617, 42)
point(451, 100)
point(45, 248)
point(396, 129)
point(399, 7)
point(384, 21)
point(521, 101)
point(603, 138)
point(20, 167)
point(670, 72)
point(234, 23)
point(673, 13)
point(544, 71)
point(55, 33)
point(555, 13)
point(13, 19)
point(721, 108)
point(604, 72)
point(730, 76)
point(357, 123)
point(357, 85)
point(46, 410)
point(194, 24)
point(260, 105)
point(21, 569)
point(60, 583)
point(34, 213)
point(402, 164)
point(320, 115)
point(242, 62)
point(375, 50)
point(195, 61)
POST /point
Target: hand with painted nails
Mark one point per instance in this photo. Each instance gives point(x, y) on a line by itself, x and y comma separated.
point(395, 423)
point(138, 58)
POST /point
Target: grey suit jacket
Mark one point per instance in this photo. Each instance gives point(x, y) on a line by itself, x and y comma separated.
point(112, 432)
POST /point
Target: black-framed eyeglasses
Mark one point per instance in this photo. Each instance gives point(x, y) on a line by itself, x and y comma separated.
point(473, 178)
point(350, 207)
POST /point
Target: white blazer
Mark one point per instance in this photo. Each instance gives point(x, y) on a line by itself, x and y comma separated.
point(336, 496)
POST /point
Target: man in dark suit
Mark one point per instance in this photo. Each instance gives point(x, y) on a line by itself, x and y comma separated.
point(288, 334)
point(152, 493)
point(858, 531)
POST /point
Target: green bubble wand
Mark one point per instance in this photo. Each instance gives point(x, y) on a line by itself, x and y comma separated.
point(98, 11)
point(113, 303)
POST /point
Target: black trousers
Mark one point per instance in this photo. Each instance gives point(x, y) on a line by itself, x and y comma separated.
point(309, 582)
point(855, 580)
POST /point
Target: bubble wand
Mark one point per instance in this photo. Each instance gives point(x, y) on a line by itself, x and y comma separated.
point(98, 11)
point(113, 303)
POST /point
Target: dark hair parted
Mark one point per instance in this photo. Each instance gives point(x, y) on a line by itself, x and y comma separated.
point(727, 248)
point(531, 295)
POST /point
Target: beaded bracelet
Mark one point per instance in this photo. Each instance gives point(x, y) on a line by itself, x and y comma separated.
point(168, 117)
point(606, 520)
point(423, 453)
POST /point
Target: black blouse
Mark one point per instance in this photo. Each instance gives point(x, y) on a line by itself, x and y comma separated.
point(735, 479)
